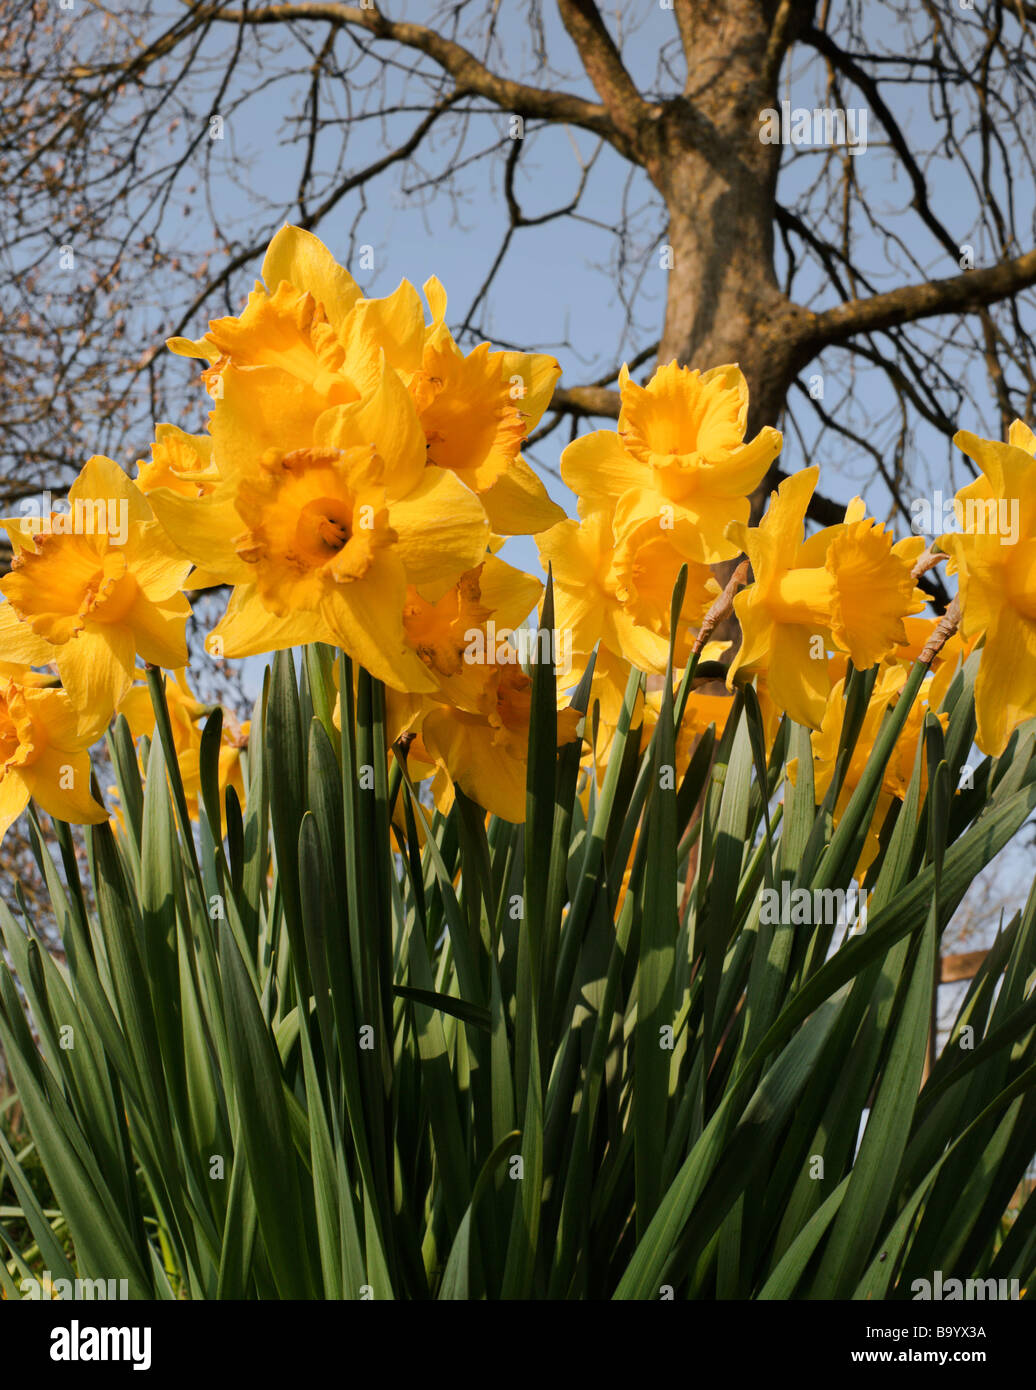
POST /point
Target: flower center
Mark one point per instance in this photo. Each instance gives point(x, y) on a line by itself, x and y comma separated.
point(111, 593)
point(67, 581)
point(323, 529)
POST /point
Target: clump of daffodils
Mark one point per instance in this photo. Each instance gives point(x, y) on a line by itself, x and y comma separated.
point(358, 474)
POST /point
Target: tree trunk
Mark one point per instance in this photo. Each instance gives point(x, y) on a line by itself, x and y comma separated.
point(718, 180)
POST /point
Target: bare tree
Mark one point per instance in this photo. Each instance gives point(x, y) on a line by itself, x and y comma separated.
point(898, 271)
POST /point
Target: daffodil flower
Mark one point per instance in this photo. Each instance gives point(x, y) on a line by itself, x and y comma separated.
point(310, 322)
point(309, 337)
point(848, 587)
point(181, 462)
point(486, 754)
point(945, 665)
point(997, 579)
point(100, 598)
point(452, 636)
point(679, 459)
point(476, 410)
point(322, 542)
point(44, 755)
point(616, 591)
point(825, 743)
point(185, 713)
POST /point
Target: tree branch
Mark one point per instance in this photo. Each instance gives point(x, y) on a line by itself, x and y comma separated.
point(470, 75)
point(971, 290)
point(778, 42)
point(604, 67)
point(844, 63)
point(587, 400)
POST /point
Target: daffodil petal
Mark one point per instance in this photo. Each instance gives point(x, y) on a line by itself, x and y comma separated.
point(517, 504)
point(102, 480)
point(158, 629)
point(798, 681)
point(1005, 688)
point(538, 373)
point(366, 619)
point(436, 297)
point(477, 765)
point(442, 532)
point(393, 326)
point(248, 628)
point(305, 262)
point(756, 633)
point(96, 668)
point(18, 642)
point(14, 797)
point(60, 782)
point(263, 411)
point(204, 530)
point(387, 418)
point(599, 469)
point(509, 593)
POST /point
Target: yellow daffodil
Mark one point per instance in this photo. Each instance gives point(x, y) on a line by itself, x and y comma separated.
point(322, 542)
point(473, 731)
point(309, 335)
point(229, 770)
point(482, 750)
point(702, 708)
point(355, 454)
point(946, 663)
point(679, 459)
point(486, 754)
point(310, 323)
point(458, 639)
point(475, 411)
point(461, 637)
point(617, 590)
point(44, 755)
point(995, 559)
point(848, 587)
point(100, 596)
point(700, 712)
